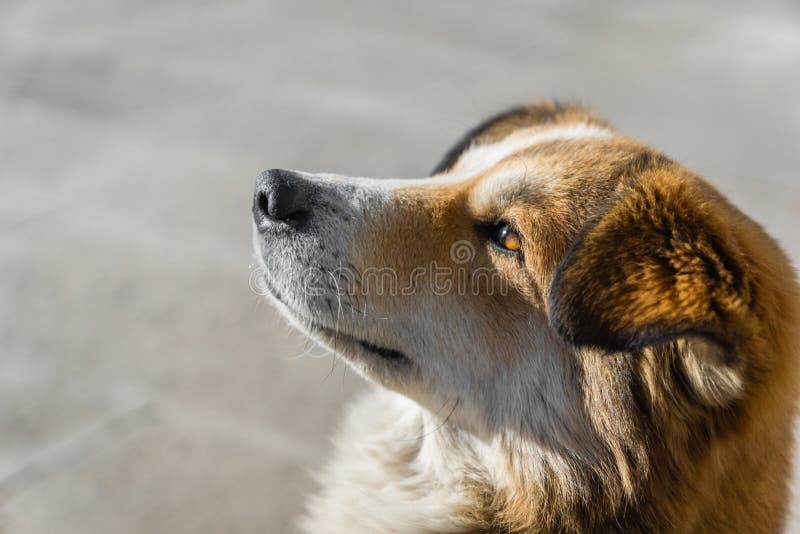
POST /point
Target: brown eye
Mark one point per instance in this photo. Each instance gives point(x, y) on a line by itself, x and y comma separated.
point(505, 237)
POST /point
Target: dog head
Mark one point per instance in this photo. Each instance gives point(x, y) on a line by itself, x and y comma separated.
point(541, 238)
point(595, 315)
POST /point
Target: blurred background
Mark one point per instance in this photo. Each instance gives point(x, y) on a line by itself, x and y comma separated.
point(144, 388)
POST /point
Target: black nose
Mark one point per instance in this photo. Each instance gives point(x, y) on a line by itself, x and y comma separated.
point(280, 197)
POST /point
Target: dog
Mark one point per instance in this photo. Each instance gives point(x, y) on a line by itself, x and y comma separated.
point(569, 332)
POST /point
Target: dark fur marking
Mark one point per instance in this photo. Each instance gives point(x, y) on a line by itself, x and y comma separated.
point(533, 113)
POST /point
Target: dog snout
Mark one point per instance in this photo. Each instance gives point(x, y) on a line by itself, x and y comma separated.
point(281, 197)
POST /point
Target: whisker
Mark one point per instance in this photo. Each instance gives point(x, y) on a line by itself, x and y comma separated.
point(439, 427)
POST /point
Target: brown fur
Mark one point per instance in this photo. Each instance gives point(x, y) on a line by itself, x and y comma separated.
point(684, 315)
point(638, 371)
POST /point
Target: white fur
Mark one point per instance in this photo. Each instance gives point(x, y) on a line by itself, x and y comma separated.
point(479, 158)
point(382, 463)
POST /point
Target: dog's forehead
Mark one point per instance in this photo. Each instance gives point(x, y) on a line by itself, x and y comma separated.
point(506, 168)
point(480, 157)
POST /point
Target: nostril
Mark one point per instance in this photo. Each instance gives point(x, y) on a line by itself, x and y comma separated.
point(262, 205)
point(281, 197)
point(269, 207)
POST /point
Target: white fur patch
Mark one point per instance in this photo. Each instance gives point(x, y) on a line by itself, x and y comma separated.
point(480, 157)
point(378, 479)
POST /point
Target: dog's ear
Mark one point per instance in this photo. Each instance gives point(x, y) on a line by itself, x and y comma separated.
point(499, 126)
point(659, 265)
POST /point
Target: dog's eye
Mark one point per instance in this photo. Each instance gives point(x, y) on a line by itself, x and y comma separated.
point(505, 237)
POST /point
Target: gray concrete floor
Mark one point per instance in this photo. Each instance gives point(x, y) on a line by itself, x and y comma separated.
point(143, 386)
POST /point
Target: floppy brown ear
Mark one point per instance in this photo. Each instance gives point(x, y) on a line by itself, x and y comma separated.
point(659, 265)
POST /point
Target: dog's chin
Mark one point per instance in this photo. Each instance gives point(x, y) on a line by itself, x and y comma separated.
point(351, 347)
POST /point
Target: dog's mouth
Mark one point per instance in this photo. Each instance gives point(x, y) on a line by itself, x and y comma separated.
point(338, 340)
point(335, 339)
point(389, 354)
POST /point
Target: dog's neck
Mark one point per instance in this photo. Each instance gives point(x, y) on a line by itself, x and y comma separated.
point(415, 473)
point(399, 468)
point(392, 460)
